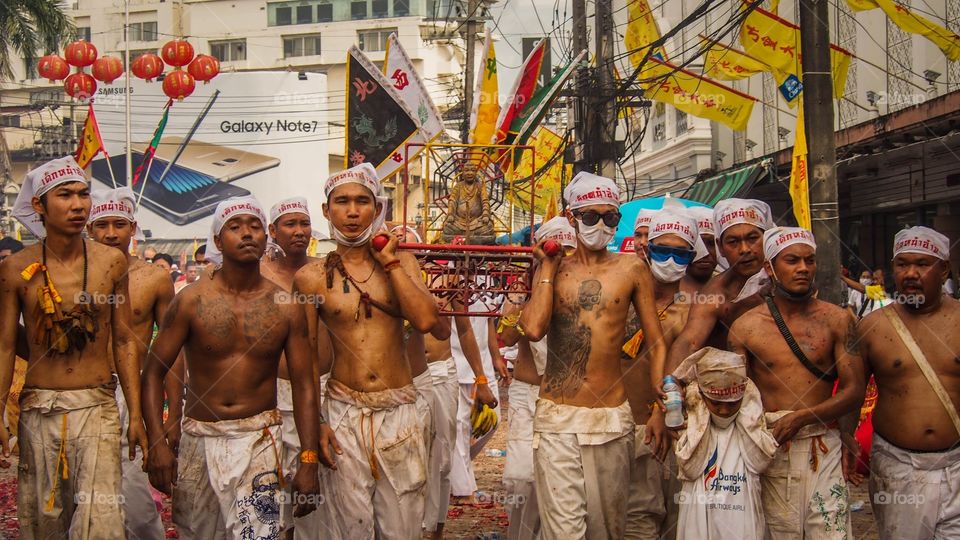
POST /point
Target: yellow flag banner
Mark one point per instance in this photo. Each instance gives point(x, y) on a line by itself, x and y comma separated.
point(486, 104)
point(91, 143)
point(697, 95)
point(546, 186)
point(641, 31)
point(799, 176)
point(777, 41)
point(725, 63)
point(908, 21)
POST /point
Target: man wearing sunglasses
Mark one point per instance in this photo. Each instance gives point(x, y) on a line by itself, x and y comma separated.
point(797, 347)
point(741, 223)
point(673, 237)
point(583, 427)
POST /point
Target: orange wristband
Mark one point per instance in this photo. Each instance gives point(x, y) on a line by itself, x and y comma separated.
point(481, 380)
point(309, 456)
point(391, 265)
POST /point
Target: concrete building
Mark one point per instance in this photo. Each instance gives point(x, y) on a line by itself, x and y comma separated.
point(40, 121)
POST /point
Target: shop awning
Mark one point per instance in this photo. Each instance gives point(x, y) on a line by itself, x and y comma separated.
point(734, 183)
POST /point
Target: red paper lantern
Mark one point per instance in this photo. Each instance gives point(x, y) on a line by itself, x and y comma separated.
point(53, 68)
point(147, 66)
point(80, 86)
point(204, 67)
point(80, 53)
point(177, 53)
point(107, 69)
point(178, 84)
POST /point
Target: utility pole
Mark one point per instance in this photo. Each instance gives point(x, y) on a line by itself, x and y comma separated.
point(575, 108)
point(822, 155)
point(472, 7)
point(604, 109)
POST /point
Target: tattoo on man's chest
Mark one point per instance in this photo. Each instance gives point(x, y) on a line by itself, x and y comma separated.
point(589, 294)
point(259, 318)
point(217, 318)
point(567, 364)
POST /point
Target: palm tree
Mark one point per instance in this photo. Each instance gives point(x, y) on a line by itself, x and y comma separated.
point(27, 28)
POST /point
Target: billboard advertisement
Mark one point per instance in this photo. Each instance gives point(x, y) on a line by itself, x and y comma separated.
point(254, 133)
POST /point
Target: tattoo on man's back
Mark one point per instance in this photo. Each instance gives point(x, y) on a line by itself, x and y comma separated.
point(567, 367)
point(852, 343)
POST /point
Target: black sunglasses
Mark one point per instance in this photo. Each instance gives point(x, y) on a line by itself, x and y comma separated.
point(590, 218)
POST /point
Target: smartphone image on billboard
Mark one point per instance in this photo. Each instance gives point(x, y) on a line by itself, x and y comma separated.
point(223, 163)
point(183, 196)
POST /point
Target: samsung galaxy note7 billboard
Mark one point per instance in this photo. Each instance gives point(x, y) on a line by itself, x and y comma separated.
point(259, 133)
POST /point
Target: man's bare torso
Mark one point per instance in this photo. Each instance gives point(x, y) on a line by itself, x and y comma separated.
point(369, 353)
point(587, 332)
point(784, 383)
point(91, 367)
point(233, 348)
point(908, 413)
point(721, 290)
point(146, 285)
point(276, 272)
point(636, 372)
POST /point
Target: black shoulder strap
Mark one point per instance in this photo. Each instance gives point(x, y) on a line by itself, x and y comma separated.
point(863, 305)
point(792, 343)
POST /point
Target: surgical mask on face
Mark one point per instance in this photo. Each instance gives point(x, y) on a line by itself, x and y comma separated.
point(722, 422)
point(595, 237)
point(340, 238)
point(866, 281)
point(669, 271)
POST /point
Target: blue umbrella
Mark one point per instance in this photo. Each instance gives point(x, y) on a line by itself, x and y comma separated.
point(629, 212)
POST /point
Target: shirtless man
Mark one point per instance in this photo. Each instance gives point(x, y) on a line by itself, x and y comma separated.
point(641, 228)
point(371, 402)
point(113, 223)
point(290, 230)
point(233, 331)
point(518, 477)
point(741, 223)
point(673, 242)
point(73, 298)
point(583, 428)
point(915, 460)
point(701, 269)
point(804, 494)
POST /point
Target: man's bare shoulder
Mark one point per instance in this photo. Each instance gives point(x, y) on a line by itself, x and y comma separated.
point(18, 261)
point(311, 276)
point(874, 321)
point(112, 258)
point(752, 316)
point(149, 274)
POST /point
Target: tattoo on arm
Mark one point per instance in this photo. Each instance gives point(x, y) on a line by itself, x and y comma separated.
point(852, 342)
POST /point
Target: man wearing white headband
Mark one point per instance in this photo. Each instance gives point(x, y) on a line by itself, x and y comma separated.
point(740, 224)
point(701, 269)
point(583, 425)
point(233, 326)
point(724, 449)
point(674, 241)
point(72, 295)
point(528, 368)
point(641, 230)
point(795, 341)
point(113, 223)
point(289, 233)
point(911, 348)
point(371, 402)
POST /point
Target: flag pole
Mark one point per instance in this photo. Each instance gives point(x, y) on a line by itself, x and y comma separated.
point(110, 168)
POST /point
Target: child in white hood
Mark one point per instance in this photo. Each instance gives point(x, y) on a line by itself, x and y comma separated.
point(723, 450)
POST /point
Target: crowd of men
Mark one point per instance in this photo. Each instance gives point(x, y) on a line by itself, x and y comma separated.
point(287, 395)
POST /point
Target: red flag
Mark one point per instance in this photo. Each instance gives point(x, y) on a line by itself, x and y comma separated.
point(522, 91)
point(152, 149)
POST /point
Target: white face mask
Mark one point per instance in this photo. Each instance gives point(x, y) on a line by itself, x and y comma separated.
point(596, 237)
point(722, 422)
point(669, 271)
point(340, 238)
point(866, 281)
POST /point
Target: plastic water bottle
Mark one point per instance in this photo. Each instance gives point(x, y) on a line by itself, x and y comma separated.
point(496, 452)
point(674, 402)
